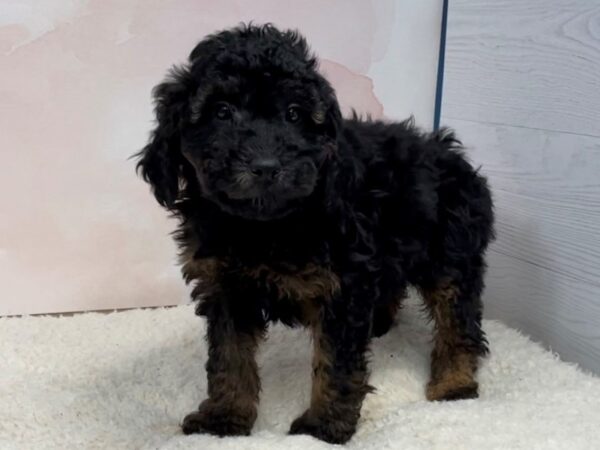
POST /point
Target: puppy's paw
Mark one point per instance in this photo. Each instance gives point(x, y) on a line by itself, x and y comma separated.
point(220, 420)
point(334, 431)
point(452, 390)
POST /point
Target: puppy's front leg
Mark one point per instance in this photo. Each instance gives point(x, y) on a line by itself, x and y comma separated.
point(233, 382)
point(341, 338)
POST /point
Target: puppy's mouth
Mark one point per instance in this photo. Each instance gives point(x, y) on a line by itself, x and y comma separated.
point(259, 199)
point(263, 208)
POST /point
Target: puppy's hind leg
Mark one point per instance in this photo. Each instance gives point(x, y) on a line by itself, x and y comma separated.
point(458, 338)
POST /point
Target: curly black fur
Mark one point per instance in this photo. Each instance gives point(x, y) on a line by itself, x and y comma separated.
point(290, 212)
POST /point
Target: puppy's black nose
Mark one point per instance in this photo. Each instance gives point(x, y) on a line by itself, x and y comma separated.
point(265, 167)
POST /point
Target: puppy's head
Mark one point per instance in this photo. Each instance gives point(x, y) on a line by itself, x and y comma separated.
point(248, 123)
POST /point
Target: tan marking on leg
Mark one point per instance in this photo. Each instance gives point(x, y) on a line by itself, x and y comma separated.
point(235, 383)
point(322, 393)
point(233, 387)
point(453, 367)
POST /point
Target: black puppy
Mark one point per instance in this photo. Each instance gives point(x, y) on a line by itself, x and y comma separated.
point(291, 213)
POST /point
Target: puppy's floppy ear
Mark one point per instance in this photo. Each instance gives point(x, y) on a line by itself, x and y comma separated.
point(326, 112)
point(160, 162)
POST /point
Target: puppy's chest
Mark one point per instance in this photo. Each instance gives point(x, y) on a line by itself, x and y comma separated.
point(286, 264)
point(308, 282)
point(287, 281)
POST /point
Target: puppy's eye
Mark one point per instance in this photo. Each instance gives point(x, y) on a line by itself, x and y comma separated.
point(223, 111)
point(293, 113)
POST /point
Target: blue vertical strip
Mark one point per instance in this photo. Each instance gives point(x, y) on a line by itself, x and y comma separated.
point(440, 72)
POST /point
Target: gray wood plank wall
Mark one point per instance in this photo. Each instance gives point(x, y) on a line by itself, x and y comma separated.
point(522, 88)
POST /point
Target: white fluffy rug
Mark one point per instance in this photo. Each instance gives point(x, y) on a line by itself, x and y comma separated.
point(125, 380)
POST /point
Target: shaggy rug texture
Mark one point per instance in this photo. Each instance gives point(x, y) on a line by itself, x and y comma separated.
point(126, 379)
